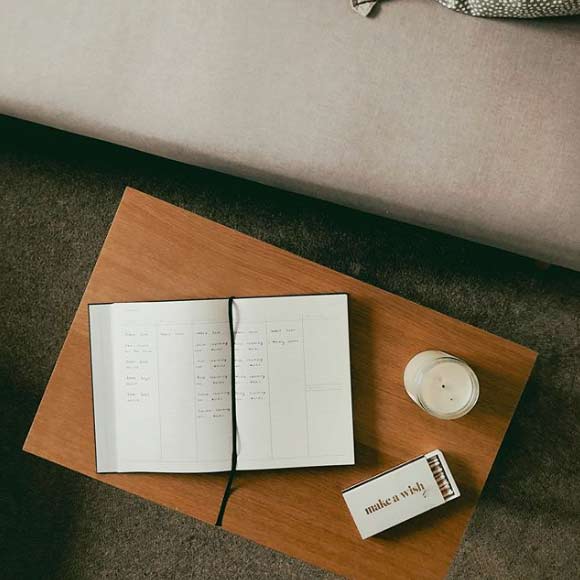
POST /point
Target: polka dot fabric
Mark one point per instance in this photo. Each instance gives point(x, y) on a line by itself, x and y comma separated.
point(514, 8)
point(495, 8)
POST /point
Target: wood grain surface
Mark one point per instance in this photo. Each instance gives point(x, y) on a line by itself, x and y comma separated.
point(157, 251)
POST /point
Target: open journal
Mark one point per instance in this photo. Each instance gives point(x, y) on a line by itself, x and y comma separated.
point(162, 384)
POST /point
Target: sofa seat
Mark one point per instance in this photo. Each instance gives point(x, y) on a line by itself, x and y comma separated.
point(465, 125)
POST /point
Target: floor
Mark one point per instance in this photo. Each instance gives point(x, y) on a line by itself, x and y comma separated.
point(58, 195)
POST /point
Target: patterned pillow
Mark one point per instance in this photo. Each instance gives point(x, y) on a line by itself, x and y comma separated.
point(495, 8)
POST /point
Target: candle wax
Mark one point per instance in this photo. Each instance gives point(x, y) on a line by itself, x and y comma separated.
point(446, 387)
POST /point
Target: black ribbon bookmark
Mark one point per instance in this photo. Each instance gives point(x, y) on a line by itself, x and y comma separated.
point(232, 475)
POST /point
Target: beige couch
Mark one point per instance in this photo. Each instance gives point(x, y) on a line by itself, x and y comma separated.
point(465, 125)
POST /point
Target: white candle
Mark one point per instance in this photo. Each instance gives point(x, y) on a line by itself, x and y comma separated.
point(441, 384)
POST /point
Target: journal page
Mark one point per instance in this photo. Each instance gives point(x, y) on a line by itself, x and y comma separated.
point(293, 389)
point(171, 406)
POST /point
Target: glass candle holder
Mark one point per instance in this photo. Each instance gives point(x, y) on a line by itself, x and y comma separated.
point(441, 384)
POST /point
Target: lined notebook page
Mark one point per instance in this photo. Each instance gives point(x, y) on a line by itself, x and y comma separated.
point(162, 385)
point(293, 381)
point(168, 400)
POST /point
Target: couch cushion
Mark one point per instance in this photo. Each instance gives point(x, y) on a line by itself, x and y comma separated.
point(460, 124)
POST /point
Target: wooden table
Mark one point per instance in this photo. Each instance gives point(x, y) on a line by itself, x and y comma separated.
point(157, 251)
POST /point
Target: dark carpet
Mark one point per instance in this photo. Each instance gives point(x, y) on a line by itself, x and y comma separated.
point(59, 193)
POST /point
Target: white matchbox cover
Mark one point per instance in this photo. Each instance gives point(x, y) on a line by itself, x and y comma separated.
point(401, 493)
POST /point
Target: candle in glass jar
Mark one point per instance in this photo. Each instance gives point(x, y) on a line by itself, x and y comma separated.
point(441, 384)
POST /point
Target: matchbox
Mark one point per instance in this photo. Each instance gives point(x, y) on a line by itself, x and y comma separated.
point(400, 493)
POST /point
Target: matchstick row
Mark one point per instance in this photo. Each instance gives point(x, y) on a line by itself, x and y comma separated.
point(440, 477)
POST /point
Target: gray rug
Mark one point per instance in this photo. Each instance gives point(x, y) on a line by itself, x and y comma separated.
point(59, 193)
